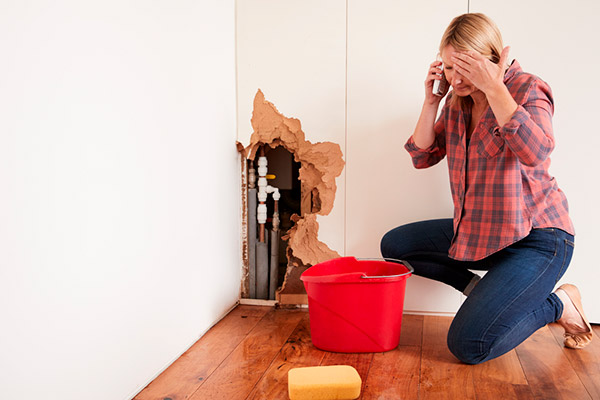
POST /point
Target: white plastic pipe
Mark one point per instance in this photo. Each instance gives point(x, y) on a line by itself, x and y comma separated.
point(261, 212)
point(263, 190)
point(274, 190)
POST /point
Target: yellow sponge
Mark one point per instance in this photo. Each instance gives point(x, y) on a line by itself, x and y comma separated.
point(324, 383)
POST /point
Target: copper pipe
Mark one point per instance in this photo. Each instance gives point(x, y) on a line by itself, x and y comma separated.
point(261, 233)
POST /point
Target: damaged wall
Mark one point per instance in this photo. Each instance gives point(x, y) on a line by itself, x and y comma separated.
point(321, 163)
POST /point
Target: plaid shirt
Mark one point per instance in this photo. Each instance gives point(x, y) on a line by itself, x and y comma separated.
point(500, 186)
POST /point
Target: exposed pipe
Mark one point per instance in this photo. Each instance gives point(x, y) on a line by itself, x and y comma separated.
point(266, 277)
point(262, 270)
point(274, 266)
point(276, 197)
point(261, 213)
point(252, 231)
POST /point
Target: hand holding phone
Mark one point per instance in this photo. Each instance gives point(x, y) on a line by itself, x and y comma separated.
point(440, 86)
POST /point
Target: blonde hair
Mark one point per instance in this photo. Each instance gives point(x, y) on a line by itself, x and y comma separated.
point(473, 31)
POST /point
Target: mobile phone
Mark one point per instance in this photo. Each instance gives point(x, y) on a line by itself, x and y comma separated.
point(440, 86)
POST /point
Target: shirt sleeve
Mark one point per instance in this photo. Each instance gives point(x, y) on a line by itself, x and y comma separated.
point(529, 132)
point(424, 158)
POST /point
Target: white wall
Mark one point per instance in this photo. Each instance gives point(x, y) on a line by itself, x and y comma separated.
point(119, 179)
point(388, 47)
point(388, 55)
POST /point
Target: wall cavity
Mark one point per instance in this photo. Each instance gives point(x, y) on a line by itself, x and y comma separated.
point(321, 163)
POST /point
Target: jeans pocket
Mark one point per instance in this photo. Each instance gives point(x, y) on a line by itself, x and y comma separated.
point(569, 246)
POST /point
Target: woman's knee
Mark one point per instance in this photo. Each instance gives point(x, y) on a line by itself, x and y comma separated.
point(386, 245)
point(466, 348)
point(393, 243)
point(421, 236)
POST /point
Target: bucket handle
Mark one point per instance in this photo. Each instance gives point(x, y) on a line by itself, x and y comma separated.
point(405, 263)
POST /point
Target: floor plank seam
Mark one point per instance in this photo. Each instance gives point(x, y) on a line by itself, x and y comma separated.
point(230, 353)
point(420, 370)
point(420, 359)
point(367, 374)
point(273, 360)
point(566, 351)
point(523, 369)
point(573, 367)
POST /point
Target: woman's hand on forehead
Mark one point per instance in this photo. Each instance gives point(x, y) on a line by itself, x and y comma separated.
point(483, 73)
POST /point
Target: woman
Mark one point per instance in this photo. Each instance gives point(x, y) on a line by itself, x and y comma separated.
point(510, 217)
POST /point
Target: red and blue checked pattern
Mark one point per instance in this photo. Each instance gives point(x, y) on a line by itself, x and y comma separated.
point(501, 187)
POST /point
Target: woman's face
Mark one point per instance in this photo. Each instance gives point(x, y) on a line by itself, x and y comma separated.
point(462, 86)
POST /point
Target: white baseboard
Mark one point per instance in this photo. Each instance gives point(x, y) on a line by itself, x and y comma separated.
point(433, 313)
point(258, 302)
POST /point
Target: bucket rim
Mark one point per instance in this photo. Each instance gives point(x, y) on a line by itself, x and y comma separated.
point(354, 277)
point(405, 263)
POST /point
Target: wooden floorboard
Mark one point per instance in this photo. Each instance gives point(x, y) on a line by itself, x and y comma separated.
point(501, 378)
point(442, 375)
point(243, 368)
point(248, 354)
point(190, 371)
point(411, 332)
point(585, 362)
point(395, 374)
point(297, 352)
point(548, 370)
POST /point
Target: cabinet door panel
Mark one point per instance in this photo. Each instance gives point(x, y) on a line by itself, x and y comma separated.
point(390, 47)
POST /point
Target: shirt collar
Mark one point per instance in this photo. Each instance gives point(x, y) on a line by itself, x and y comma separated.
point(513, 69)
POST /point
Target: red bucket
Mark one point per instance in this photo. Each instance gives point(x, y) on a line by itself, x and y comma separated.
point(355, 306)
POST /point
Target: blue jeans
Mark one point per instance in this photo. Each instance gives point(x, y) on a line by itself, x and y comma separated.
point(512, 301)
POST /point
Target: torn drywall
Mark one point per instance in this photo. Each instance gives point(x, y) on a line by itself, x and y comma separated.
point(303, 241)
point(320, 163)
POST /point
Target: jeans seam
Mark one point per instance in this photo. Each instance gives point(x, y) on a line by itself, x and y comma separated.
point(564, 262)
point(515, 299)
point(507, 333)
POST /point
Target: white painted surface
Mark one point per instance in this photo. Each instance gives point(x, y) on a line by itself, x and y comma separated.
point(389, 47)
point(119, 241)
point(558, 42)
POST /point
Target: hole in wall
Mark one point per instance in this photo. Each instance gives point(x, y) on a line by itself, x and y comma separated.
point(307, 171)
point(285, 174)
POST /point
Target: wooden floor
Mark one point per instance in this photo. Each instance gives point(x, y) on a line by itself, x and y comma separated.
point(247, 355)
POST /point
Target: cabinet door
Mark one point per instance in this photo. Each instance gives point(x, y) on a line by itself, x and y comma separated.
point(390, 47)
point(558, 41)
point(295, 52)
